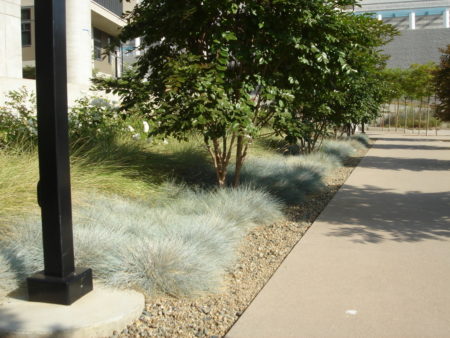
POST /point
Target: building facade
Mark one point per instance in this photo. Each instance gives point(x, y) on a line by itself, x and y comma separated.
point(90, 27)
point(424, 28)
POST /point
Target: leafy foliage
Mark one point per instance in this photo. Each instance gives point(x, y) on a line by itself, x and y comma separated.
point(442, 83)
point(89, 118)
point(226, 69)
point(18, 119)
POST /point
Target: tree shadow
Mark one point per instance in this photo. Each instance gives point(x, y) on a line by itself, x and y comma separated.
point(187, 164)
point(409, 147)
point(408, 139)
point(373, 215)
point(9, 322)
point(413, 164)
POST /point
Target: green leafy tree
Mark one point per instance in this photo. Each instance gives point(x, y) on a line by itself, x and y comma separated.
point(442, 83)
point(225, 69)
point(348, 90)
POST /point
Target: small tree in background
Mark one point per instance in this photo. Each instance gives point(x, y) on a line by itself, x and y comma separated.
point(442, 84)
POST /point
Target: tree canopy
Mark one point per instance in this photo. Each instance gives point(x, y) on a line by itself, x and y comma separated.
point(225, 69)
point(442, 83)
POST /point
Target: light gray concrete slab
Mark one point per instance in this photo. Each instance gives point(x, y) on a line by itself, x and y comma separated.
point(97, 314)
point(376, 263)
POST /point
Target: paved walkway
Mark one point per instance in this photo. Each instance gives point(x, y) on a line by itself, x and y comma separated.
point(376, 263)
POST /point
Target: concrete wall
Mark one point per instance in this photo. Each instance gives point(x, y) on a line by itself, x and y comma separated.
point(74, 91)
point(79, 44)
point(128, 6)
point(417, 46)
point(376, 5)
point(10, 39)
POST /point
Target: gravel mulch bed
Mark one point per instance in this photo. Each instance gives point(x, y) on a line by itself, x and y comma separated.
point(260, 254)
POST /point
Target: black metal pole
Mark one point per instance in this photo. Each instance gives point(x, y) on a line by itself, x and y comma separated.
point(60, 282)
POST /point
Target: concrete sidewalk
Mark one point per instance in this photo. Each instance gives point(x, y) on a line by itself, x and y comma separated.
point(376, 263)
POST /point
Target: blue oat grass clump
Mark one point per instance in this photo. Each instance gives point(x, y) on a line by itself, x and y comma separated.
point(181, 246)
point(292, 178)
point(341, 149)
point(289, 178)
point(363, 139)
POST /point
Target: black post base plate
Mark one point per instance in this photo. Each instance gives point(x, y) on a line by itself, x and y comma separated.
point(57, 290)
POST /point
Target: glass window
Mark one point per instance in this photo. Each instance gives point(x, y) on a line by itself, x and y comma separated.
point(97, 44)
point(26, 27)
point(101, 43)
point(26, 14)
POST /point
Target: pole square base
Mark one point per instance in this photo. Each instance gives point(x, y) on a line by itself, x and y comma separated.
point(57, 290)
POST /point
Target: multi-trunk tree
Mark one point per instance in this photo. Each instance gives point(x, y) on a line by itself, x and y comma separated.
point(225, 69)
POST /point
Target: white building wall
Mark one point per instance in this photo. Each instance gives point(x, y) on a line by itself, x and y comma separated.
point(10, 39)
point(376, 5)
point(79, 45)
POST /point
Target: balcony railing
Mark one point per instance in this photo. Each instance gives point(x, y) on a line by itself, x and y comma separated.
point(114, 6)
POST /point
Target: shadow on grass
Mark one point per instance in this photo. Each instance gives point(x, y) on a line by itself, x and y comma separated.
point(277, 145)
point(373, 215)
point(185, 163)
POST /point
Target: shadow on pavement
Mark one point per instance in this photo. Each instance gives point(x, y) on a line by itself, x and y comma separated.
point(409, 147)
point(373, 215)
point(420, 138)
point(413, 164)
point(8, 322)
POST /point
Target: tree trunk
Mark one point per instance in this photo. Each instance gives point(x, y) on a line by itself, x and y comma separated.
point(221, 158)
point(398, 110)
point(389, 117)
point(428, 116)
point(420, 113)
point(241, 152)
point(406, 117)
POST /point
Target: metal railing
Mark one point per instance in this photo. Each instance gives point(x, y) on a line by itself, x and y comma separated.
point(114, 6)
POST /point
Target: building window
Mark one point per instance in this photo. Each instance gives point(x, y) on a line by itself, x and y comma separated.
point(101, 42)
point(98, 44)
point(26, 27)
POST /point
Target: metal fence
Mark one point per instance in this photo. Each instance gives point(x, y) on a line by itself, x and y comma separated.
point(410, 117)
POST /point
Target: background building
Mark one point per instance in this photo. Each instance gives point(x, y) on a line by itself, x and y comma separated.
point(424, 28)
point(91, 25)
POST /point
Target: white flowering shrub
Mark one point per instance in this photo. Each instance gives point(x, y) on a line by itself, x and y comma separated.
point(18, 117)
point(89, 118)
point(94, 117)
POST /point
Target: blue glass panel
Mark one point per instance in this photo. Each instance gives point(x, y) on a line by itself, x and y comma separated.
point(405, 12)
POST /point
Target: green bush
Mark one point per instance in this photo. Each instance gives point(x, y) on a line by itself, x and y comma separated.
point(90, 118)
point(18, 120)
point(29, 72)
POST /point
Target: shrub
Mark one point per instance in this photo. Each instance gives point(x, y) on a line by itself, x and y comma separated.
point(292, 178)
point(89, 118)
point(18, 121)
point(338, 148)
point(362, 139)
point(29, 72)
point(181, 246)
point(288, 178)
